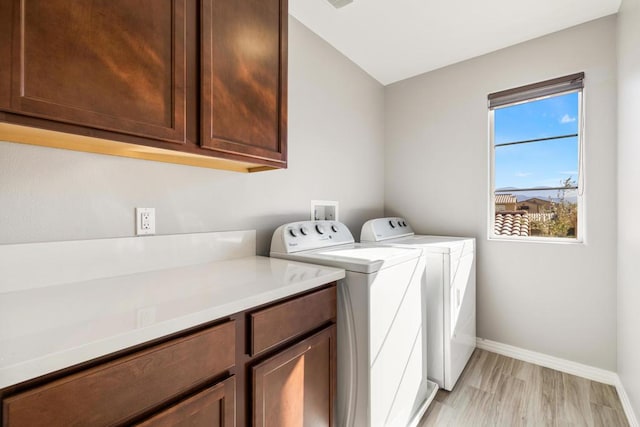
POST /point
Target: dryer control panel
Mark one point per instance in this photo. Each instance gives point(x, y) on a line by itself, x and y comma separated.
point(308, 235)
point(379, 229)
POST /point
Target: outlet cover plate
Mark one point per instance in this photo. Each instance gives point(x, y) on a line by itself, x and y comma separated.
point(145, 221)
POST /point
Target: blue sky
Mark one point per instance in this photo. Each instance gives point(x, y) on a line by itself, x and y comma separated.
point(537, 164)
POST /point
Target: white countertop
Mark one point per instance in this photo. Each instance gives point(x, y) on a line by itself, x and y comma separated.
point(44, 329)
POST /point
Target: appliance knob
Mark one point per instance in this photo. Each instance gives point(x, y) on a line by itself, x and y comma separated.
point(293, 232)
point(334, 228)
point(304, 230)
point(392, 224)
point(320, 229)
point(404, 223)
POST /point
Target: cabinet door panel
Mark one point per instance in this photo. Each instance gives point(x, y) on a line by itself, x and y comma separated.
point(244, 63)
point(111, 393)
point(6, 14)
point(213, 407)
point(116, 65)
point(296, 387)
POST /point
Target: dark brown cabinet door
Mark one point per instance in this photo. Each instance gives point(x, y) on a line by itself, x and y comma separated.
point(297, 386)
point(244, 77)
point(213, 407)
point(116, 65)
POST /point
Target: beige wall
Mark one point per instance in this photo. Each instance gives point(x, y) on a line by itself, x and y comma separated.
point(437, 176)
point(628, 205)
point(335, 153)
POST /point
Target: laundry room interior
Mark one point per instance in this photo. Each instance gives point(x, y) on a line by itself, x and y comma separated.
point(384, 112)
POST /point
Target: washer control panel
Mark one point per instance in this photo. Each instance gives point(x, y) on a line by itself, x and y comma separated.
point(307, 235)
point(376, 230)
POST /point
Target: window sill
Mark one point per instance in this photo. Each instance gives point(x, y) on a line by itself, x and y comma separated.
point(553, 240)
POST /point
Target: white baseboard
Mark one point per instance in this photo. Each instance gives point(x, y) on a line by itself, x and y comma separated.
point(626, 403)
point(563, 365)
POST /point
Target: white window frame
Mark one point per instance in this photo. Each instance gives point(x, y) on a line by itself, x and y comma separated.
point(581, 230)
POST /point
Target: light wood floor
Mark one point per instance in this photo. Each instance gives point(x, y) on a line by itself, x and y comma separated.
point(496, 391)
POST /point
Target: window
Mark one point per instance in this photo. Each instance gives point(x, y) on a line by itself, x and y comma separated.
point(536, 161)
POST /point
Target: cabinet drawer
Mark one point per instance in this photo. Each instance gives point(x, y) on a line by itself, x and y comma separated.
point(213, 407)
point(116, 391)
point(281, 322)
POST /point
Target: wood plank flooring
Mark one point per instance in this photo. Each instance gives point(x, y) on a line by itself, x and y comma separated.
point(495, 390)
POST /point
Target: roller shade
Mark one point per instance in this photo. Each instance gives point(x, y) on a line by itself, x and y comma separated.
point(536, 90)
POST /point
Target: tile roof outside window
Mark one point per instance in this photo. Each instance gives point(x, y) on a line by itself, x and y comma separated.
point(511, 223)
point(503, 199)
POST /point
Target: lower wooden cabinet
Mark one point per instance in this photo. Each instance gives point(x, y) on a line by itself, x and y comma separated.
point(272, 365)
point(280, 323)
point(213, 407)
point(116, 392)
point(296, 387)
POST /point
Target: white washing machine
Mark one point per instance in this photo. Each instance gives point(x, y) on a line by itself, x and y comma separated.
point(451, 294)
point(382, 365)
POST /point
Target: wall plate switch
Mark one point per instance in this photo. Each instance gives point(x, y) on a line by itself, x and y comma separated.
point(324, 210)
point(145, 221)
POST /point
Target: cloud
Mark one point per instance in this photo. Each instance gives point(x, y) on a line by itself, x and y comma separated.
point(567, 119)
point(568, 172)
point(523, 174)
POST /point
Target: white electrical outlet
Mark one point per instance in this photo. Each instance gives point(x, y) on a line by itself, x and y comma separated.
point(145, 221)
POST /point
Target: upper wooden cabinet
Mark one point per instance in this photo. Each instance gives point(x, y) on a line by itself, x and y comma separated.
point(112, 64)
point(171, 80)
point(244, 80)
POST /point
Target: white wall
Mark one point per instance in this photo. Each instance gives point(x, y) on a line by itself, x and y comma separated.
point(628, 205)
point(557, 299)
point(335, 153)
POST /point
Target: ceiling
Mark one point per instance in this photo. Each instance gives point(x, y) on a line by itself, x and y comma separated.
point(396, 39)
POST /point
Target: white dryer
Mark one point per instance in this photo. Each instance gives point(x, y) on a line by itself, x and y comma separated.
point(382, 365)
point(451, 294)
